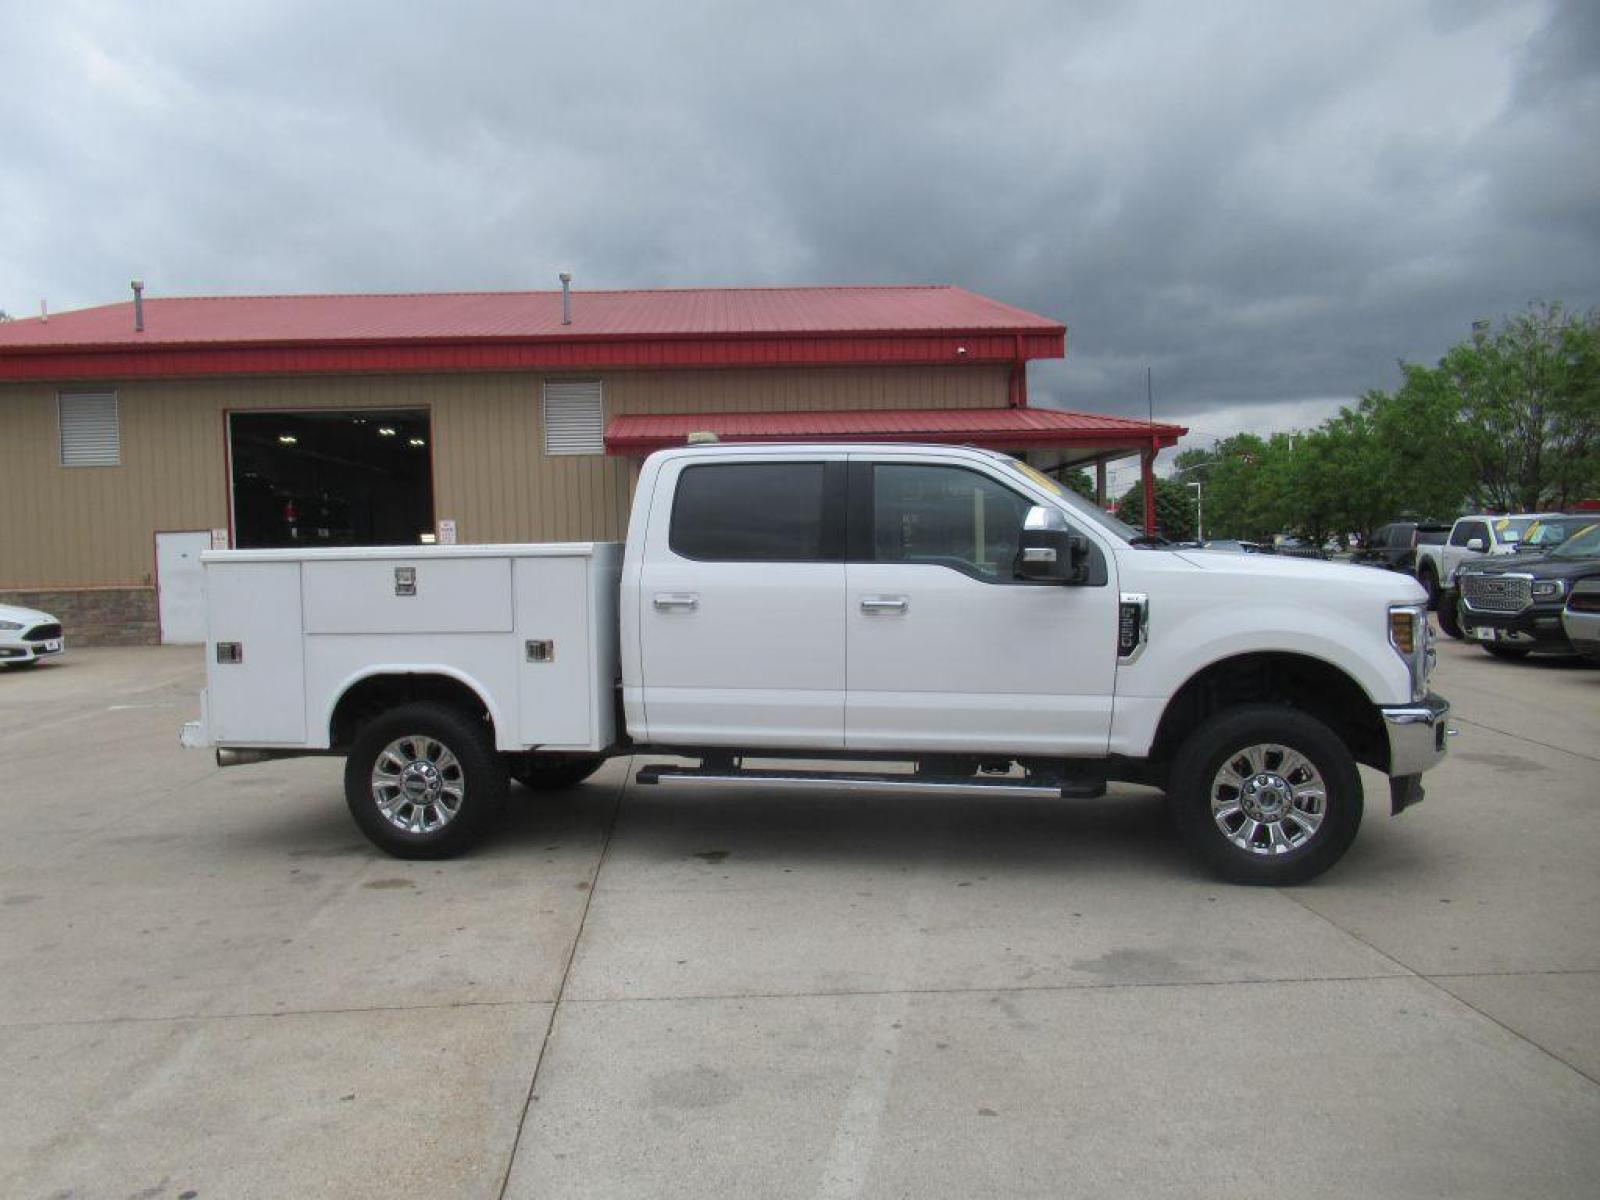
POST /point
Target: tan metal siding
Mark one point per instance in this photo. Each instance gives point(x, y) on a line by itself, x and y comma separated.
point(93, 526)
point(818, 389)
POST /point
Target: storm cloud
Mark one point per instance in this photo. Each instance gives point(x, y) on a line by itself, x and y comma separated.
point(1266, 204)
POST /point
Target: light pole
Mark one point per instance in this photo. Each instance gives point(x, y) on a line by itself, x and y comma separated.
point(1199, 511)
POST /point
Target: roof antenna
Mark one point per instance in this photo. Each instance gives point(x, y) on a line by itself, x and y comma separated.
point(566, 298)
point(138, 305)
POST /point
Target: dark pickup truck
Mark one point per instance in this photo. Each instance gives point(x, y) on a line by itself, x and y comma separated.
point(1394, 546)
point(1512, 604)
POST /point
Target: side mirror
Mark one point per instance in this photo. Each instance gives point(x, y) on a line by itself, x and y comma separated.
point(1048, 551)
point(1476, 544)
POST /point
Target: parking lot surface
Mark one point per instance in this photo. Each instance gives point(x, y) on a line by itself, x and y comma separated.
point(210, 985)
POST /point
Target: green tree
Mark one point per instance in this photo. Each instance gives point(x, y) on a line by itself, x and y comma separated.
point(1080, 482)
point(1509, 419)
point(1421, 468)
point(1527, 399)
point(1229, 473)
point(1175, 509)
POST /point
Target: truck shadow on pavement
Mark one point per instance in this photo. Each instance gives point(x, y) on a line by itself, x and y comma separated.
point(1126, 832)
point(745, 826)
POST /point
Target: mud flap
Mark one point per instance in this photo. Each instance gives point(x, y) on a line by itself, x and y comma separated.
point(1404, 791)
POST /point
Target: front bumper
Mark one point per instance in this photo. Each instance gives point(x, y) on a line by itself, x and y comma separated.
point(1537, 628)
point(32, 651)
point(1583, 631)
point(1417, 734)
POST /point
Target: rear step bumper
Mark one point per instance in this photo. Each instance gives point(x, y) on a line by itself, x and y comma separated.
point(845, 781)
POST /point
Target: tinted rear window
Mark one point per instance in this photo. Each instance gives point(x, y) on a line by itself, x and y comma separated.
point(749, 512)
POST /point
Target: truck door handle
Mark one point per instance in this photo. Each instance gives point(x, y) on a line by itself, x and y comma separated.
point(883, 604)
point(667, 601)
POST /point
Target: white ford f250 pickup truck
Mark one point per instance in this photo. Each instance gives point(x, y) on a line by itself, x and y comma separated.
point(945, 607)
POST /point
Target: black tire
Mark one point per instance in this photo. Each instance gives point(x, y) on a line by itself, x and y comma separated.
point(1229, 735)
point(1450, 614)
point(1429, 579)
point(553, 772)
point(460, 749)
point(1510, 652)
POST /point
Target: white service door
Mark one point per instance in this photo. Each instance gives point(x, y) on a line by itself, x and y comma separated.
point(181, 586)
point(741, 639)
point(946, 653)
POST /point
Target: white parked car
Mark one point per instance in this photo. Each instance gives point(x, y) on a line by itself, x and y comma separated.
point(27, 635)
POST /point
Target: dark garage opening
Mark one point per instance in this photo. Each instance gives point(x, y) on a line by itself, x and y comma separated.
point(345, 477)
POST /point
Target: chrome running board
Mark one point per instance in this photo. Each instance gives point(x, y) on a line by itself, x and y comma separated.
point(849, 782)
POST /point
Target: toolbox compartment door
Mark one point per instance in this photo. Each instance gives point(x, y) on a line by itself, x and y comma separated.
point(259, 699)
point(408, 595)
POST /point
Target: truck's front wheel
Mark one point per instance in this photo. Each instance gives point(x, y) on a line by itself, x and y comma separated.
point(424, 781)
point(1429, 579)
point(1266, 794)
point(1450, 614)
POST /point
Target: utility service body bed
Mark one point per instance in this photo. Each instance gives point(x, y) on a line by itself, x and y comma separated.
point(531, 628)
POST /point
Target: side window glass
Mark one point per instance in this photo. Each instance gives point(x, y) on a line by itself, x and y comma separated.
point(946, 516)
point(1461, 535)
point(749, 512)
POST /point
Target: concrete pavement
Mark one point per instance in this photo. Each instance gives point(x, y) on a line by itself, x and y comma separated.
point(210, 984)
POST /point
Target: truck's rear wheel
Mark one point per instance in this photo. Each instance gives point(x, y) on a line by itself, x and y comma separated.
point(424, 781)
point(552, 772)
point(1266, 794)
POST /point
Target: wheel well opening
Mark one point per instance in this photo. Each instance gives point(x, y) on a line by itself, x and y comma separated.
point(379, 693)
point(1316, 688)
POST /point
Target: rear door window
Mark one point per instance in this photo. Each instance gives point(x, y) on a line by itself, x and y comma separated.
point(756, 512)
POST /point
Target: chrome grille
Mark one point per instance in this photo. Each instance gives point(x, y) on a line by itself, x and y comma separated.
point(1497, 593)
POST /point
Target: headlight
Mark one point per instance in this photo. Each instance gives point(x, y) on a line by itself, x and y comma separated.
point(1549, 589)
point(1410, 636)
point(10, 625)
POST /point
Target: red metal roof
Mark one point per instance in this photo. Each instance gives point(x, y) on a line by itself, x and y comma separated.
point(523, 330)
point(996, 428)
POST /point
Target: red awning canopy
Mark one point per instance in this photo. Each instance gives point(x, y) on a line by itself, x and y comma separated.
point(993, 428)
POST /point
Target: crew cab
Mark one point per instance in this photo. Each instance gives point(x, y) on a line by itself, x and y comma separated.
point(1512, 605)
point(870, 607)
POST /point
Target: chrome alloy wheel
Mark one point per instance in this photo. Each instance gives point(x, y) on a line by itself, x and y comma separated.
point(1268, 799)
point(418, 784)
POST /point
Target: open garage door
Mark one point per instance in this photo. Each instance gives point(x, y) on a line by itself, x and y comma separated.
point(334, 477)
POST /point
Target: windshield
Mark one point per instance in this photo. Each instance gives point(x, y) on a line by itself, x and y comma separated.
point(1071, 499)
point(1551, 532)
point(1581, 545)
point(1510, 529)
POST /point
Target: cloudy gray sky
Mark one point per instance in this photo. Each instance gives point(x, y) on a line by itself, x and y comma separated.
point(1267, 203)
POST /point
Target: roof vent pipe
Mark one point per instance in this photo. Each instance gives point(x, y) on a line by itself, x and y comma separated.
point(44, 312)
point(138, 305)
point(566, 298)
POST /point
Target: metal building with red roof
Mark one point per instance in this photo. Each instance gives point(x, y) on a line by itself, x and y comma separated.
point(133, 433)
